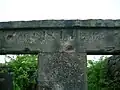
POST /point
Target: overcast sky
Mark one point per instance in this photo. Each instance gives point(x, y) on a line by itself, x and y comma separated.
point(17, 10)
point(12, 10)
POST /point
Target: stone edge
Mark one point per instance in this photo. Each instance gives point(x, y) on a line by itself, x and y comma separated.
point(60, 23)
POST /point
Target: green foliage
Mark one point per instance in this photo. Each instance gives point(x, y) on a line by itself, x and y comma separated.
point(97, 75)
point(98, 78)
point(24, 68)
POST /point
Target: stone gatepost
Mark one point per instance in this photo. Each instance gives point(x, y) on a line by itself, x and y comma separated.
point(64, 69)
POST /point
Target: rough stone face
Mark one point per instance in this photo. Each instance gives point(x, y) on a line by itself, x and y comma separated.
point(113, 74)
point(114, 66)
point(62, 71)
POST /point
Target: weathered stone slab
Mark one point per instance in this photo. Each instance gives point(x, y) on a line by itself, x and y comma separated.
point(29, 41)
point(34, 41)
point(99, 40)
point(90, 40)
point(62, 71)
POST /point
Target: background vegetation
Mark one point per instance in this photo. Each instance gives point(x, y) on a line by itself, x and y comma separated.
point(24, 69)
point(99, 78)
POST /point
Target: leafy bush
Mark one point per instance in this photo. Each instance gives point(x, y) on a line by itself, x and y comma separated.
point(97, 75)
point(24, 69)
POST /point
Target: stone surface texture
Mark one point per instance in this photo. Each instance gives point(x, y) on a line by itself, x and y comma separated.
point(60, 23)
point(62, 46)
point(114, 67)
point(92, 36)
point(62, 71)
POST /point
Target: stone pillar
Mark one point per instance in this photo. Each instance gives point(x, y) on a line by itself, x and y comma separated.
point(62, 71)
